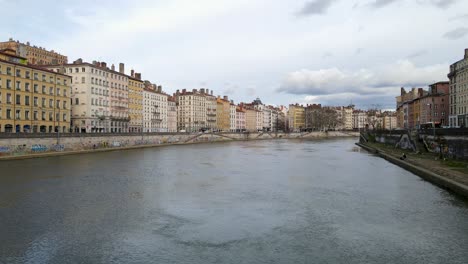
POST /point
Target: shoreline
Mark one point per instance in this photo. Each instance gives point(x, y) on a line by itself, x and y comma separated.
point(432, 177)
point(110, 149)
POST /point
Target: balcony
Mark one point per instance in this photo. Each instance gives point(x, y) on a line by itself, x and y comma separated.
point(211, 114)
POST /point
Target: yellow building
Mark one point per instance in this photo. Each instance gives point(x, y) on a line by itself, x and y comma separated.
point(35, 55)
point(135, 102)
point(32, 99)
point(250, 119)
point(223, 113)
point(296, 117)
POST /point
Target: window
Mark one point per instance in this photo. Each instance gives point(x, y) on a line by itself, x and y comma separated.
point(83, 70)
point(57, 117)
point(8, 72)
point(64, 117)
point(26, 87)
point(18, 85)
point(51, 90)
point(26, 114)
point(36, 76)
point(83, 79)
point(18, 73)
point(58, 91)
point(35, 115)
point(65, 92)
point(43, 102)
point(18, 114)
point(8, 113)
point(43, 115)
point(57, 104)
point(51, 103)
point(77, 101)
point(51, 117)
point(26, 100)
point(51, 79)
point(28, 75)
point(43, 77)
point(36, 88)
point(35, 101)
point(18, 99)
point(64, 104)
point(8, 84)
point(8, 98)
point(43, 89)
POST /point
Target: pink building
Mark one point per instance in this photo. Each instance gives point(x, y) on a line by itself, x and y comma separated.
point(240, 120)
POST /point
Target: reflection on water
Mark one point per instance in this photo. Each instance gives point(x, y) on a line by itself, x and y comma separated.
point(283, 201)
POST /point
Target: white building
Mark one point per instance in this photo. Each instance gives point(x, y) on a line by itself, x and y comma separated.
point(192, 110)
point(359, 119)
point(232, 116)
point(154, 108)
point(90, 97)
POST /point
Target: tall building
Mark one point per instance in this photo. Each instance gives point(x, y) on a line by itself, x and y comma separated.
point(251, 123)
point(192, 110)
point(223, 113)
point(135, 102)
point(34, 55)
point(154, 108)
point(360, 119)
point(232, 116)
point(171, 114)
point(240, 120)
point(296, 117)
point(99, 96)
point(211, 110)
point(32, 99)
point(458, 91)
point(434, 107)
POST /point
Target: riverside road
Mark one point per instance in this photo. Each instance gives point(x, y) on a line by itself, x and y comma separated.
point(269, 201)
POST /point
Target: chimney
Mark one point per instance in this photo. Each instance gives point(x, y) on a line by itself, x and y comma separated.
point(202, 90)
point(138, 76)
point(211, 92)
point(103, 64)
point(113, 67)
point(184, 91)
point(226, 98)
point(122, 68)
point(466, 53)
point(132, 73)
point(194, 90)
point(177, 92)
point(160, 88)
point(207, 91)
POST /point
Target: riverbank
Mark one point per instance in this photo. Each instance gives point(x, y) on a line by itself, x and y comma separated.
point(36, 147)
point(438, 172)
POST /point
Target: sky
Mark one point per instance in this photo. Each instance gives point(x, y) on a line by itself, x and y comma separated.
point(333, 52)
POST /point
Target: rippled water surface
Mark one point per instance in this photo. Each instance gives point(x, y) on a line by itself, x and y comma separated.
point(281, 201)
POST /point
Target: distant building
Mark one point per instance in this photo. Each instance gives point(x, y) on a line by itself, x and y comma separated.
point(155, 106)
point(458, 91)
point(240, 120)
point(223, 113)
point(34, 55)
point(135, 102)
point(232, 116)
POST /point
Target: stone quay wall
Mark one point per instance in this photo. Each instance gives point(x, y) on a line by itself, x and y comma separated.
point(36, 145)
point(451, 143)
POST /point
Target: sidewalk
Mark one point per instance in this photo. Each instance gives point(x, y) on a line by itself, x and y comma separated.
point(453, 170)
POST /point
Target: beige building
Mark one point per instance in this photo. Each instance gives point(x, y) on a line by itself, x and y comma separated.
point(34, 55)
point(211, 110)
point(32, 99)
point(251, 119)
point(135, 102)
point(296, 117)
point(458, 92)
point(223, 114)
point(171, 114)
point(191, 110)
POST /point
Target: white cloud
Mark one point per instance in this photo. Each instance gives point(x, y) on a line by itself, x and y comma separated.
point(364, 81)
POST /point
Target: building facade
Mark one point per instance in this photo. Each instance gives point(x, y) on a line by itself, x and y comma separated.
point(458, 92)
point(32, 99)
point(192, 110)
point(135, 102)
point(223, 113)
point(171, 114)
point(155, 106)
point(296, 117)
point(35, 55)
point(232, 116)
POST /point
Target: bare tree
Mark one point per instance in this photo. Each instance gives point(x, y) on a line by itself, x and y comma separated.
point(373, 115)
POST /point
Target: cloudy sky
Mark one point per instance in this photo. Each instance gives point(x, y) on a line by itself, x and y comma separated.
point(332, 52)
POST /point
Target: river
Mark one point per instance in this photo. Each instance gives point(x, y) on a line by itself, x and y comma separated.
point(278, 201)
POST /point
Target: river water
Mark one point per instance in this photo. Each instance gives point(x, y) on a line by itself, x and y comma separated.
point(283, 201)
